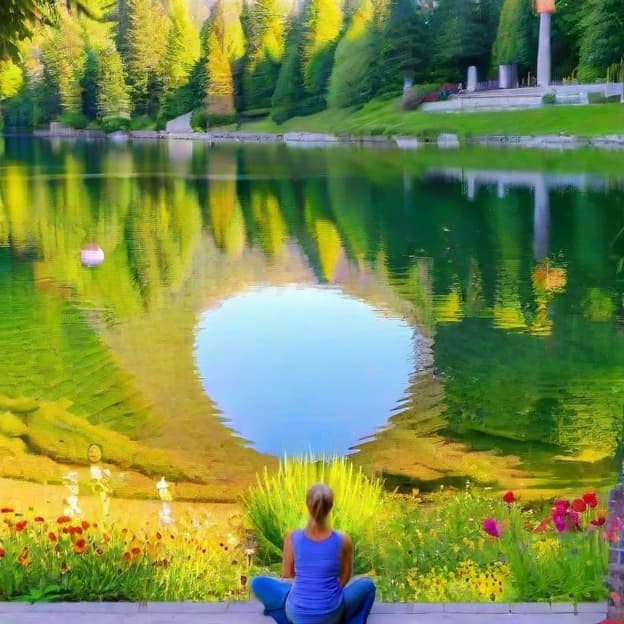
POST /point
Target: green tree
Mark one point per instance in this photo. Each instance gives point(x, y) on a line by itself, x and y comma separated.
point(266, 34)
point(182, 46)
point(515, 41)
point(602, 43)
point(64, 59)
point(464, 31)
point(322, 26)
point(112, 97)
point(405, 51)
point(351, 80)
point(224, 52)
point(289, 92)
point(146, 45)
point(89, 83)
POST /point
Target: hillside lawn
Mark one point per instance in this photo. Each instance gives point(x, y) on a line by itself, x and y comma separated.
point(382, 117)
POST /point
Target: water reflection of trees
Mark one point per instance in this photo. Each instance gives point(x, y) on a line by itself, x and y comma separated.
point(527, 367)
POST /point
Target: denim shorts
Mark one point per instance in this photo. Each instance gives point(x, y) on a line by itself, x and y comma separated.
point(335, 617)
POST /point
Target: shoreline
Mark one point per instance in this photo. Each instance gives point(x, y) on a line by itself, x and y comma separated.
point(316, 139)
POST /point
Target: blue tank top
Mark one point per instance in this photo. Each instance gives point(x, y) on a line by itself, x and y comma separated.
point(316, 590)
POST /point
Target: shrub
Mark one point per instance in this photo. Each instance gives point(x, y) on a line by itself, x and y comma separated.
point(550, 98)
point(115, 124)
point(142, 122)
point(77, 121)
point(426, 93)
point(277, 503)
point(199, 120)
point(255, 114)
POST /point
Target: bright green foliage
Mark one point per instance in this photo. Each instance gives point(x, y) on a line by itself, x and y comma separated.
point(17, 18)
point(405, 47)
point(322, 25)
point(146, 46)
point(11, 79)
point(112, 98)
point(514, 43)
point(277, 504)
point(351, 79)
point(224, 52)
point(266, 34)
point(602, 43)
point(182, 46)
point(64, 57)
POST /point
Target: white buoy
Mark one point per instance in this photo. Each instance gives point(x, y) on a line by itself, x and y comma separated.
point(91, 255)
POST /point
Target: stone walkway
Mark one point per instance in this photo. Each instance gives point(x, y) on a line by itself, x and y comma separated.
point(249, 613)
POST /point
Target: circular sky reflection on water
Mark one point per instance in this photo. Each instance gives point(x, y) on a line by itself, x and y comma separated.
point(303, 369)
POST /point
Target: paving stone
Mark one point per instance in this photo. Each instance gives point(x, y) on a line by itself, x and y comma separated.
point(542, 607)
point(476, 607)
point(592, 607)
point(427, 607)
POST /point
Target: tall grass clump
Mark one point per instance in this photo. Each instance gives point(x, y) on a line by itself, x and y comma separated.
point(276, 504)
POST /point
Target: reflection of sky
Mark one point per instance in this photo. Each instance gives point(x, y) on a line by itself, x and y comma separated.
point(298, 369)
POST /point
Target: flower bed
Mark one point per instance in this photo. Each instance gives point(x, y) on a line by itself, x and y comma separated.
point(455, 546)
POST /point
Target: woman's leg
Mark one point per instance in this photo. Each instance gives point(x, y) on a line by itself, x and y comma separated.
point(359, 596)
point(272, 593)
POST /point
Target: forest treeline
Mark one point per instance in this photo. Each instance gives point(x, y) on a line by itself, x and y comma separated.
point(150, 60)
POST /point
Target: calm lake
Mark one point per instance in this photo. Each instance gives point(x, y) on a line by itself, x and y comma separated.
point(441, 317)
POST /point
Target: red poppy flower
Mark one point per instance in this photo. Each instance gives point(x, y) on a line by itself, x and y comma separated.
point(590, 499)
point(2, 553)
point(598, 522)
point(52, 536)
point(63, 519)
point(579, 505)
point(7, 510)
point(85, 525)
point(39, 519)
point(508, 497)
point(80, 546)
point(21, 525)
point(127, 556)
point(24, 560)
point(136, 551)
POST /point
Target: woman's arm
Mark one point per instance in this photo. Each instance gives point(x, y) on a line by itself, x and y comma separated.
point(346, 560)
point(288, 559)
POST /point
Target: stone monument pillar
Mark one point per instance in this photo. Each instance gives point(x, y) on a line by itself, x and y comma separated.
point(504, 77)
point(471, 79)
point(545, 9)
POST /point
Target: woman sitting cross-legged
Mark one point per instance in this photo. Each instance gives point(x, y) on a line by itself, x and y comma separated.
point(318, 563)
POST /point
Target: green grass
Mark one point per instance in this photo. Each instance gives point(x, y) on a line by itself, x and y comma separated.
point(383, 117)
